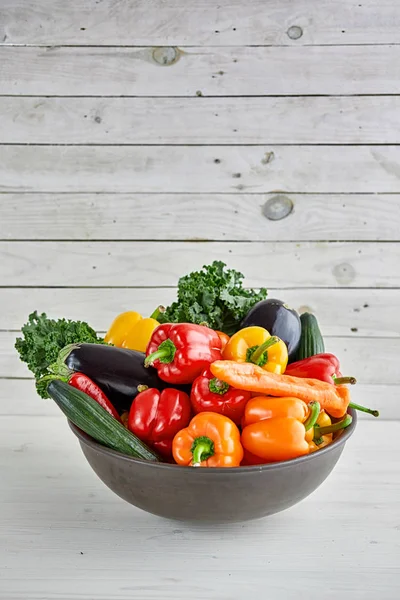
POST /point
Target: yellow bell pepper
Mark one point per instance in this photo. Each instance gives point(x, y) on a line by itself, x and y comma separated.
point(255, 344)
point(131, 330)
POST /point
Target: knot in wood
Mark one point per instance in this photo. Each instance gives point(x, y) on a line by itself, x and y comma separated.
point(294, 32)
point(166, 55)
point(277, 208)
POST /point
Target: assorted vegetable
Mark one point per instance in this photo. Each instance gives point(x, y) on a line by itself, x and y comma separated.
point(215, 296)
point(43, 338)
point(117, 371)
point(278, 319)
point(156, 417)
point(210, 440)
point(211, 394)
point(89, 416)
point(181, 352)
point(131, 330)
point(311, 340)
point(208, 382)
point(255, 345)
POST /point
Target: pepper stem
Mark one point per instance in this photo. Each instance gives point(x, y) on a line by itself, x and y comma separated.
point(216, 386)
point(342, 380)
point(315, 409)
point(159, 311)
point(370, 411)
point(202, 448)
point(165, 354)
point(335, 427)
point(142, 388)
point(257, 354)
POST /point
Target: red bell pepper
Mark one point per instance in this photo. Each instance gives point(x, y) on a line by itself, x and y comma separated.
point(210, 394)
point(82, 382)
point(181, 352)
point(156, 417)
point(325, 367)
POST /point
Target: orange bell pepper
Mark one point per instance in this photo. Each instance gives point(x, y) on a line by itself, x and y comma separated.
point(334, 399)
point(131, 330)
point(210, 440)
point(255, 345)
point(265, 407)
point(281, 437)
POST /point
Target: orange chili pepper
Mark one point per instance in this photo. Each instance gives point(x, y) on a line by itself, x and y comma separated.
point(210, 440)
point(334, 399)
point(256, 345)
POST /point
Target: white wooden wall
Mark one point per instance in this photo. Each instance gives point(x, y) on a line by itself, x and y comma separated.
point(140, 140)
point(138, 144)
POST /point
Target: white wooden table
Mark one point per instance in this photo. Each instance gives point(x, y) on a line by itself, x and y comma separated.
point(139, 141)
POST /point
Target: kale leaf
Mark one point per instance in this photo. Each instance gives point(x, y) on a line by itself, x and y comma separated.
point(214, 295)
point(43, 339)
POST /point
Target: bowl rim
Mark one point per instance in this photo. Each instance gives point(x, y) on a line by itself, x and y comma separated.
point(339, 441)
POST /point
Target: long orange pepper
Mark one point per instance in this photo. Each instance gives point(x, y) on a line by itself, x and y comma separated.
point(210, 440)
point(334, 399)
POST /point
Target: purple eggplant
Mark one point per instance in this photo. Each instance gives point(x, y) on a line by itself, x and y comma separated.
point(277, 318)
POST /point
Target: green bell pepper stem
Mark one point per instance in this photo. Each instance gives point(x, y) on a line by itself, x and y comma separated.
point(315, 409)
point(257, 354)
point(202, 448)
point(159, 311)
point(165, 354)
point(335, 427)
point(216, 386)
point(370, 411)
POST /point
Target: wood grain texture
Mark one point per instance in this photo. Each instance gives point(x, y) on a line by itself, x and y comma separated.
point(18, 397)
point(80, 71)
point(155, 264)
point(230, 22)
point(290, 120)
point(371, 363)
point(340, 312)
point(57, 518)
point(207, 169)
point(32, 216)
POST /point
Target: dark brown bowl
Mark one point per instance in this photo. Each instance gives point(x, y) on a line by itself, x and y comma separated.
point(212, 495)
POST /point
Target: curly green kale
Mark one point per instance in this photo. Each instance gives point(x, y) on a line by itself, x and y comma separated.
point(43, 339)
point(214, 296)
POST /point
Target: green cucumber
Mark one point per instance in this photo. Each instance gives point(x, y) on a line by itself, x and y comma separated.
point(311, 340)
point(89, 416)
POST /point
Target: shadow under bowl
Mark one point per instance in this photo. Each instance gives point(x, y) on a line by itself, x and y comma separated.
point(214, 495)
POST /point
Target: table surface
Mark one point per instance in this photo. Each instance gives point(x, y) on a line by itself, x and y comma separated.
point(65, 535)
point(139, 141)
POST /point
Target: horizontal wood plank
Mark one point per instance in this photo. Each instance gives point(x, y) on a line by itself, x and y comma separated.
point(370, 362)
point(340, 312)
point(155, 264)
point(255, 71)
point(58, 518)
point(207, 169)
point(290, 120)
point(32, 216)
point(228, 22)
point(18, 397)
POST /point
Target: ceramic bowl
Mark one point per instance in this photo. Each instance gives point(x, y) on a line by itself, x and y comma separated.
point(212, 495)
